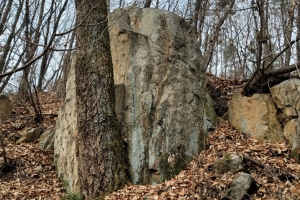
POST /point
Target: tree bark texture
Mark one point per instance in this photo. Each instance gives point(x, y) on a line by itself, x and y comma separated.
point(147, 4)
point(101, 155)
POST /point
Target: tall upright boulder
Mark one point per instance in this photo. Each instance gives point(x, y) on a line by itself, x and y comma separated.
point(157, 60)
point(162, 107)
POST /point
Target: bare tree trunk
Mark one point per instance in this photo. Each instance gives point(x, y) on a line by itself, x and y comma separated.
point(157, 4)
point(288, 23)
point(196, 15)
point(298, 32)
point(101, 155)
point(216, 33)
point(5, 15)
point(24, 86)
point(7, 47)
point(147, 4)
point(43, 67)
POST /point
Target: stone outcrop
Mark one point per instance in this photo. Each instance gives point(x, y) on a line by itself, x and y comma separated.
point(256, 116)
point(5, 107)
point(270, 117)
point(286, 95)
point(156, 58)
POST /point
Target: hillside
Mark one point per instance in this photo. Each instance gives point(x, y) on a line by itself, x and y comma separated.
point(32, 172)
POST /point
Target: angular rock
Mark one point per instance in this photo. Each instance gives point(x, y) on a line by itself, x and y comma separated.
point(240, 186)
point(256, 116)
point(65, 147)
point(230, 163)
point(46, 141)
point(286, 96)
point(31, 135)
point(157, 59)
point(5, 107)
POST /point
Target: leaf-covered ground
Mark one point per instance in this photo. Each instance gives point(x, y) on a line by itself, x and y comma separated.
point(32, 172)
point(275, 174)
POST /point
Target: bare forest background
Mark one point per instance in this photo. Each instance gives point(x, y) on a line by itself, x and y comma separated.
point(238, 39)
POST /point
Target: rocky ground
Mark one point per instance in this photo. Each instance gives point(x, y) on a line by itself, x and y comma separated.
point(275, 175)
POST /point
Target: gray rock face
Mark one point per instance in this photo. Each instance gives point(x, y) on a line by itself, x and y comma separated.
point(286, 96)
point(257, 116)
point(240, 186)
point(65, 148)
point(156, 58)
point(46, 141)
point(5, 107)
point(31, 135)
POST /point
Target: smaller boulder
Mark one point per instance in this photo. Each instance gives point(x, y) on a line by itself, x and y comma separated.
point(47, 140)
point(5, 107)
point(230, 163)
point(286, 96)
point(31, 135)
point(240, 186)
point(256, 116)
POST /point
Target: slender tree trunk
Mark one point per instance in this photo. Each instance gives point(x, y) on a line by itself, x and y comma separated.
point(5, 14)
point(101, 155)
point(147, 4)
point(44, 66)
point(7, 47)
point(24, 86)
point(196, 15)
point(298, 33)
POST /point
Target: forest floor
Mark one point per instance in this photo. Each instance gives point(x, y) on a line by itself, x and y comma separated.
point(32, 173)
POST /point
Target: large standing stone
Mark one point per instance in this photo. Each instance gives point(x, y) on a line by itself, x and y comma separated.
point(160, 96)
point(156, 57)
point(256, 116)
